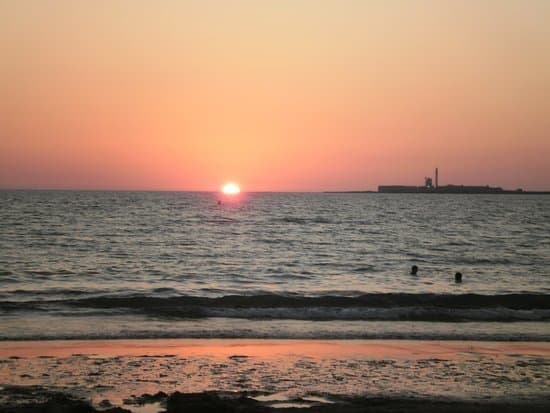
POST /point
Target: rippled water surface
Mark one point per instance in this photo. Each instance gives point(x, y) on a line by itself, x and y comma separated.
point(62, 243)
point(103, 254)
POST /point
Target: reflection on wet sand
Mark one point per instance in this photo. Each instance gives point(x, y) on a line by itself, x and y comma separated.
point(282, 370)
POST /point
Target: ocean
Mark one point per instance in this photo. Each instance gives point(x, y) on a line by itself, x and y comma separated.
point(90, 265)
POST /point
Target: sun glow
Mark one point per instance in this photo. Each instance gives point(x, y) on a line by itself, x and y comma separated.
point(231, 188)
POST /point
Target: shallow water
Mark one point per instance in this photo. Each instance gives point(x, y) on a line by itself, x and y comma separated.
point(48, 327)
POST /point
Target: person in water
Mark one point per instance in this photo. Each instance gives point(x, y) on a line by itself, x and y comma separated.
point(414, 270)
point(458, 277)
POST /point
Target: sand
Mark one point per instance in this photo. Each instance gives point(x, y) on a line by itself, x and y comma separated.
point(376, 349)
point(266, 375)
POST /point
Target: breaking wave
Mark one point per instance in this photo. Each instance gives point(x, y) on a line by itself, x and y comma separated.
point(383, 307)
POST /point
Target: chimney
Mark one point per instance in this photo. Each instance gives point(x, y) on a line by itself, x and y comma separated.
point(436, 178)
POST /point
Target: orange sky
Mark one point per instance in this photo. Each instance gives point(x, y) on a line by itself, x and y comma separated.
point(276, 95)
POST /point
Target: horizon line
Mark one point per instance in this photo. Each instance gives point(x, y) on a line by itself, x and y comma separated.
point(50, 189)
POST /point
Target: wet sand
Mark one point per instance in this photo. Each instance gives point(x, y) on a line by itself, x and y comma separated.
point(376, 349)
point(262, 375)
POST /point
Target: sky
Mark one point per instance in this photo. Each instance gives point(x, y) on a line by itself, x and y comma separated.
point(281, 95)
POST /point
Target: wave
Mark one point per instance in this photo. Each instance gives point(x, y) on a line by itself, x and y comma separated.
point(385, 307)
point(400, 313)
point(303, 220)
point(132, 326)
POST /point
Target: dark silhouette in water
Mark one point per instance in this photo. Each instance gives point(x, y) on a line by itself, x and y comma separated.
point(458, 277)
point(414, 270)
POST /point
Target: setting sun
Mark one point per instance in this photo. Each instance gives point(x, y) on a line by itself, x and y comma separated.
point(231, 188)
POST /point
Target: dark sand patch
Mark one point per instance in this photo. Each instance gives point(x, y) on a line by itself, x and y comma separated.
point(39, 400)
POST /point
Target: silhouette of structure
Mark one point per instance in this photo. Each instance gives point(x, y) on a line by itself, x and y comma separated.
point(429, 187)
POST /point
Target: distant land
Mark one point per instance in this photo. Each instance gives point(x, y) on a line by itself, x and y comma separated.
point(430, 188)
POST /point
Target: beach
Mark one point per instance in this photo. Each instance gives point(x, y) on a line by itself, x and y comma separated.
point(151, 302)
point(330, 375)
point(274, 206)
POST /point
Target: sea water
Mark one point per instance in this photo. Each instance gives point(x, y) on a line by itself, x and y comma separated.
point(86, 264)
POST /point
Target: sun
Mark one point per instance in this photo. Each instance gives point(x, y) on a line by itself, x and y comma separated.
point(231, 188)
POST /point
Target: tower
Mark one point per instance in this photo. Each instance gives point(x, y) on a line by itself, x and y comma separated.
point(436, 178)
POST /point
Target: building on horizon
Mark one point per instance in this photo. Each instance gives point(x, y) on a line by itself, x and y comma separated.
point(429, 187)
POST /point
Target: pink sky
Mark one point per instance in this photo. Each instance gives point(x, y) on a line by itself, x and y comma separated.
point(275, 95)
